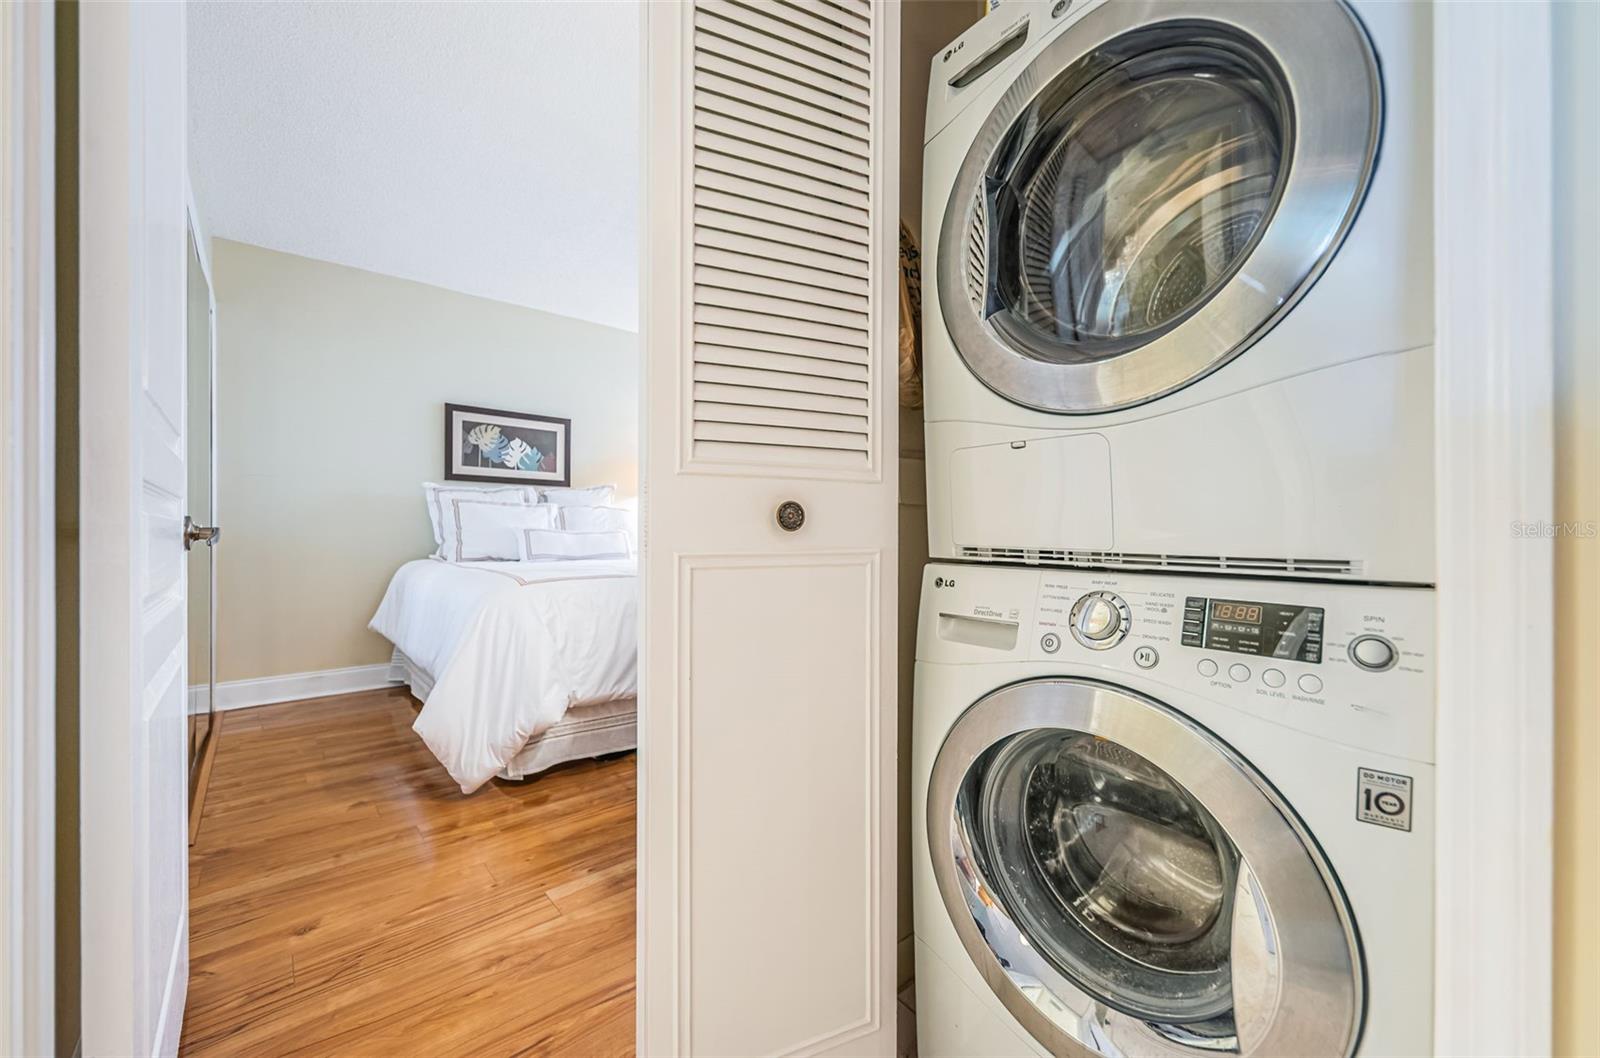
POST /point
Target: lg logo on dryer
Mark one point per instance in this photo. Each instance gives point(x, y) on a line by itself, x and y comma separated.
point(944, 582)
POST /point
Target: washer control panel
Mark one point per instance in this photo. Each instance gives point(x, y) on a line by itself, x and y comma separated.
point(1348, 662)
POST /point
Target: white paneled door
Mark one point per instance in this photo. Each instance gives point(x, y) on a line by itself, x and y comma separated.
point(767, 798)
point(131, 446)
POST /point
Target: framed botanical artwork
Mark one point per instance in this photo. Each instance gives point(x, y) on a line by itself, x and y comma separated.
point(484, 444)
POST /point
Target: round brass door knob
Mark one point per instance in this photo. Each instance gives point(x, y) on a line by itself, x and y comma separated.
point(791, 516)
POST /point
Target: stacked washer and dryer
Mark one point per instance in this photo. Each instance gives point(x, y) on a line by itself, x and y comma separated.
point(1173, 746)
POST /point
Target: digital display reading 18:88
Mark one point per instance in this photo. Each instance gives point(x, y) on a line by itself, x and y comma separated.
point(1245, 612)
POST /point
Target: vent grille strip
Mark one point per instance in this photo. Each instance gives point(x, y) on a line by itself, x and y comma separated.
point(1133, 560)
point(783, 219)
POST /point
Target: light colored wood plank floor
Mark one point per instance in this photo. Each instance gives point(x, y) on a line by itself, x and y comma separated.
point(346, 899)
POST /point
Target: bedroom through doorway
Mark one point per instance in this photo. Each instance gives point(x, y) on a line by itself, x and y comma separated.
point(412, 566)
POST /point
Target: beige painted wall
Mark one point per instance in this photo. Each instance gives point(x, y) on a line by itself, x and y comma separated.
point(926, 26)
point(332, 383)
point(1577, 554)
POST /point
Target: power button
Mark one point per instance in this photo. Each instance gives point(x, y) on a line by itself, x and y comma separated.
point(1050, 642)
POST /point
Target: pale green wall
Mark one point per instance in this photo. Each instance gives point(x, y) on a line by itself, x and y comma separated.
point(332, 383)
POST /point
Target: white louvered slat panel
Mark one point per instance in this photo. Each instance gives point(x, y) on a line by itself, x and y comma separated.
point(830, 253)
point(788, 326)
point(823, 263)
point(821, 124)
point(727, 296)
point(781, 189)
point(707, 274)
point(757, 397)
point(754, 30)
point(845, 291)
point(786, 145)
point(762, 76)
point(784, 221)
point(710, 352)
point(809, 348)
point(755, 207)
point(791, 418)
point(731, 174)
point(786, 436)
point(805, 18)
point(733, 147)
point(767, 378)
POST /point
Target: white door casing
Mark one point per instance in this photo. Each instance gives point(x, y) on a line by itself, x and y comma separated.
point(27, 529)
point(132, 355)
point(1492, 224)
point(767, 705)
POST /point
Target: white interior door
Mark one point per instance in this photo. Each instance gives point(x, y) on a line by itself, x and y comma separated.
point(767, 720)
point(131, 231)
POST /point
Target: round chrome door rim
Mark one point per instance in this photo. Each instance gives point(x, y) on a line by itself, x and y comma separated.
point(1318, 992)
point(1335, 103)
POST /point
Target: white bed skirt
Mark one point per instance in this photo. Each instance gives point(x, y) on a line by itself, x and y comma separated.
point(586, 730)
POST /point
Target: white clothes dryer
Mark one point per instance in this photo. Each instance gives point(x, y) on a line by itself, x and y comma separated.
point(1181, 311)
point(1159, 815)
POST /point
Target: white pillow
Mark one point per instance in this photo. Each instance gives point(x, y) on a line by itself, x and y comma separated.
point(564, 545)
point(602, 520)
point(438, 498)
point(612, 519)
point(488, 530)
point(593, 496)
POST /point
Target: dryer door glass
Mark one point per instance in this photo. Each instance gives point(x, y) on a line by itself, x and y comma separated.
point(1150, 193)
point(1126, 203)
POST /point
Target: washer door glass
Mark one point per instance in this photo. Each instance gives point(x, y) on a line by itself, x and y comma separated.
point(1125, 204)
point(1127, 884)
point(1151, 193)
point(1122, 879)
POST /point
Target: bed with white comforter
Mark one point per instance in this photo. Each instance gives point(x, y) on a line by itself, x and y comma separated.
point(512, 658)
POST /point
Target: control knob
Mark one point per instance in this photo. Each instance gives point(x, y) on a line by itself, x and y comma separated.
point(1099, 620)
point(1373, 653)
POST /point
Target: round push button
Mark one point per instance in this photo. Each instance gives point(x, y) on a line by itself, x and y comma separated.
point(1272, 678)
point(1050, 642)
point(1146, 657)
point(1310, 684)
point(1207, 667)
point(1238, 673)
point(1373, 653)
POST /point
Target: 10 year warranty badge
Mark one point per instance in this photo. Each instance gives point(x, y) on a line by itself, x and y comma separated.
point(1383, 798)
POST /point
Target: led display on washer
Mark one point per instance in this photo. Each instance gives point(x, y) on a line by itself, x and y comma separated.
point(1267, 629)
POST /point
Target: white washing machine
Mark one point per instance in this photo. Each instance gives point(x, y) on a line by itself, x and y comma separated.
point(1181, 312)
point(1172, 815)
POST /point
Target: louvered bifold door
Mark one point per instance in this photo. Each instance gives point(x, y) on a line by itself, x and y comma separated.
point(767, 672)
point(783, 211)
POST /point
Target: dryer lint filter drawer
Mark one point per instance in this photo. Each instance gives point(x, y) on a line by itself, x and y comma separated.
point(1033, 495)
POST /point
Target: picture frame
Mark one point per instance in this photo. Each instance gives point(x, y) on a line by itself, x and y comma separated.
point(506, 447)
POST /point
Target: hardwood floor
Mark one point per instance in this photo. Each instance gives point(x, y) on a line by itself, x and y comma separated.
point(346, 899)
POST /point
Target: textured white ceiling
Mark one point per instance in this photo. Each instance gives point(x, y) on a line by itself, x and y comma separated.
point(490, 148)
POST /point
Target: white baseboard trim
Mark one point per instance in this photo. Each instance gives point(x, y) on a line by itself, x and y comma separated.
point(269, 690)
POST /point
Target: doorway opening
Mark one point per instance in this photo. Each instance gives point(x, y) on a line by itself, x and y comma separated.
point(413, 469)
